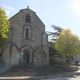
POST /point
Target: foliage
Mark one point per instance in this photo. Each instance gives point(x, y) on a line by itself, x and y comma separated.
point(4, 27)
point(59, 29)
point(68, 44)
point(56, 32)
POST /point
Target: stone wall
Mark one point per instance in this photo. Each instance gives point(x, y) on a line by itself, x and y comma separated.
point(34, 44)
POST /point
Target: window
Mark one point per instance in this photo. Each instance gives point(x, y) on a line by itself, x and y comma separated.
point(27, 33)
point(28, 19)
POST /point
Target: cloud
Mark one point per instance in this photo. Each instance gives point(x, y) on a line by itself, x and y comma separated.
point(9, 10)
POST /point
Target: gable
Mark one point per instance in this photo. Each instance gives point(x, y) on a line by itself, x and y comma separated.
point(27, 16)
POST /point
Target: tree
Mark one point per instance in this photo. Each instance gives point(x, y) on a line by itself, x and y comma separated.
point(68, 44)
point(4, 28)
point(56, 32)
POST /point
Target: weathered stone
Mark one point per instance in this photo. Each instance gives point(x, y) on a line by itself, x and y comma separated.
point(29, 40)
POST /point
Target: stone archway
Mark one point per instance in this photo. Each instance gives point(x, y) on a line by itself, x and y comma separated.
point(40, 58)
point(26, 57)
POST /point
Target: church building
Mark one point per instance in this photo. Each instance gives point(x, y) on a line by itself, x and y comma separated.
point(28, 41)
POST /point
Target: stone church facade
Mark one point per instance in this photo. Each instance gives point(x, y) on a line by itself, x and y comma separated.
point(28, 41)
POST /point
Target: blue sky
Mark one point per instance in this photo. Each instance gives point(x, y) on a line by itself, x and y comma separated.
point(63, 13)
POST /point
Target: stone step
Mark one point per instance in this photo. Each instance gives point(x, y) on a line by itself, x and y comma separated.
point(24, 70)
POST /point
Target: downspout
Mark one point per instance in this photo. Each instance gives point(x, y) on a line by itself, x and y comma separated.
point(11, 44)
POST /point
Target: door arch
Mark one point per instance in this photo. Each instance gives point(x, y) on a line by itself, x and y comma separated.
point(26, 57)
point(26, 51)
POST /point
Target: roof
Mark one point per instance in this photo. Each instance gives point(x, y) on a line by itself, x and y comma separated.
point(25, 10)
point(28, 10)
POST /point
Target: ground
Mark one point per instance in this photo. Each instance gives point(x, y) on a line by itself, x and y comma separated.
point(26, 74)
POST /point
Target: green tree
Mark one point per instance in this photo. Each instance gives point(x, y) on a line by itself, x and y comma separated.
point(68, 44)
point(4, 27)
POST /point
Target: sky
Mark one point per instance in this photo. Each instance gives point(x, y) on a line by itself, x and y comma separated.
point(63, 13)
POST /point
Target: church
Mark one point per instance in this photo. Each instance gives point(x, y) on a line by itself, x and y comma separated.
point(28, 41)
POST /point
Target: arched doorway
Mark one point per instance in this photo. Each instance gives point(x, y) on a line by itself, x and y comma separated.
point(26, 57)
point(40, 58)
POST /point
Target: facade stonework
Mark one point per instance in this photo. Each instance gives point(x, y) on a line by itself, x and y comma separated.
point(28, 42)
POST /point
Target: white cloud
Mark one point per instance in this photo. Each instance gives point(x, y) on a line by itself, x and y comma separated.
point(9, 10)
point(76, 7)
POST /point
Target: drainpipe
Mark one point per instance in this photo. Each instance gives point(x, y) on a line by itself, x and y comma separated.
point(11, 43)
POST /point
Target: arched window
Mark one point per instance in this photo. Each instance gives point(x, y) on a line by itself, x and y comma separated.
point(28, 19)
point(27, 33)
